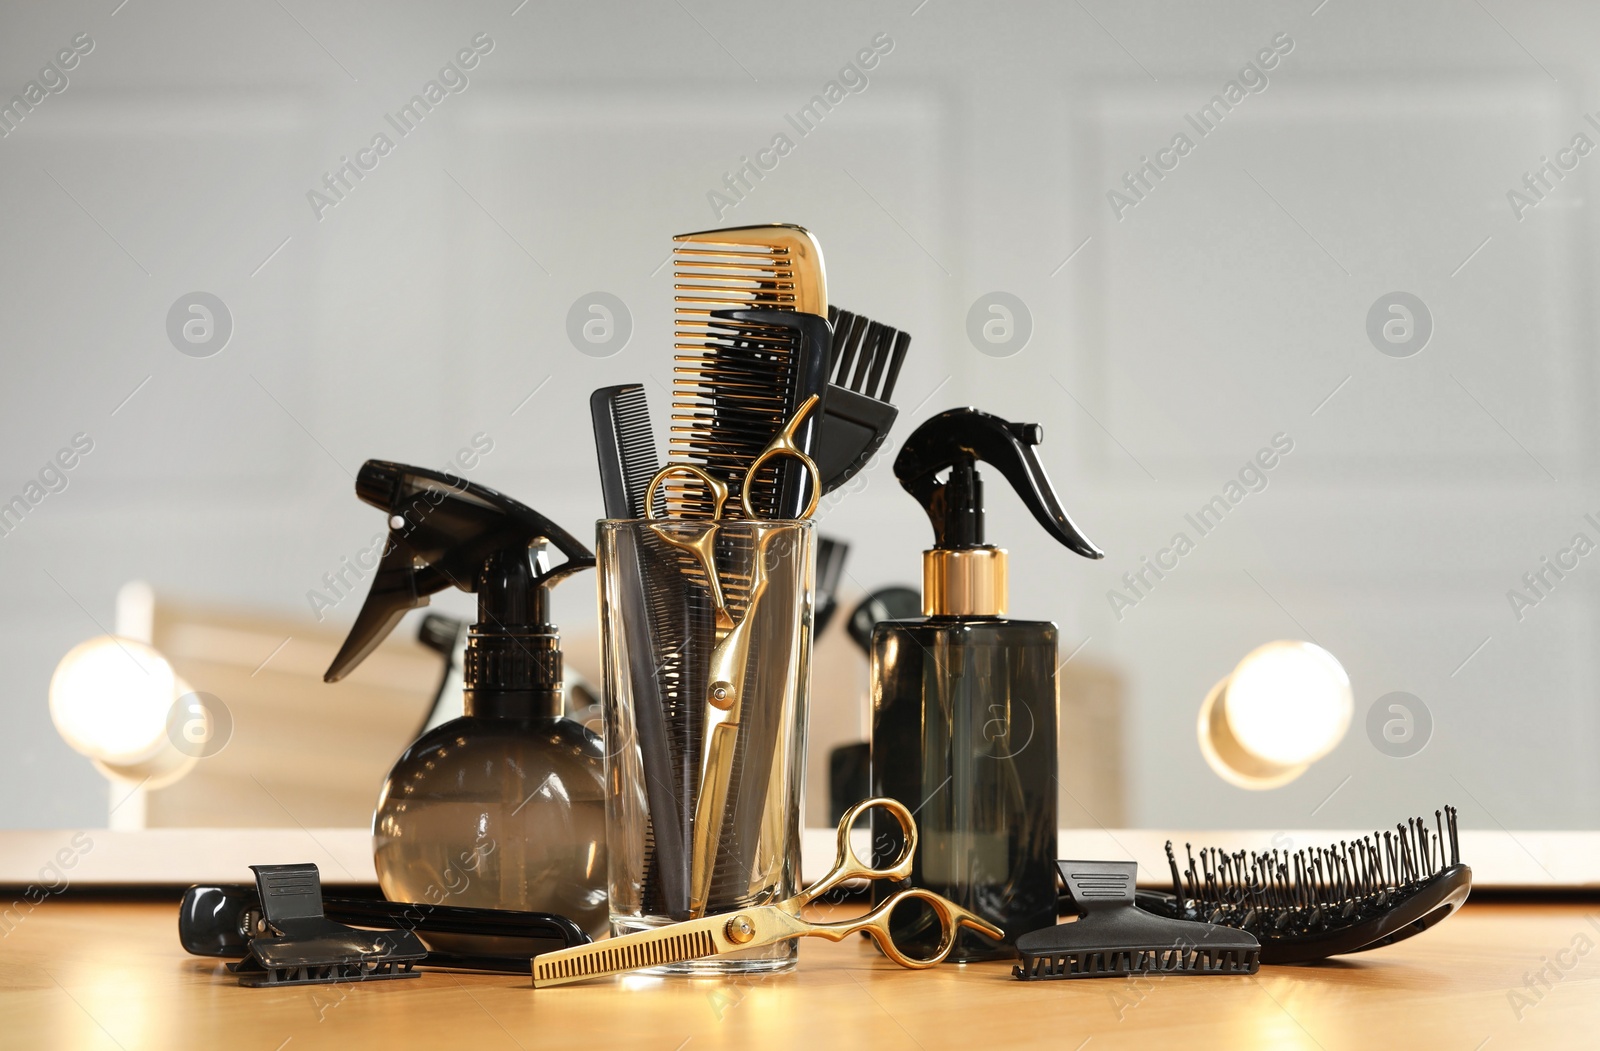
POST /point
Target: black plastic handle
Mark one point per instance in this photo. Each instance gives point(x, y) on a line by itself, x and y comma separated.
point(958, 438)
point(442, 531)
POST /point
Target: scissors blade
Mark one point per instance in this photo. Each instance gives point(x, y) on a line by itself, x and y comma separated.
point(715, 784)
point(674, 943)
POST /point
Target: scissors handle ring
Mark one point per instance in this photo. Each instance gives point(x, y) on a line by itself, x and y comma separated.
point(849, 866)
point(718, 491)
point(772, 452)
point(951, 919)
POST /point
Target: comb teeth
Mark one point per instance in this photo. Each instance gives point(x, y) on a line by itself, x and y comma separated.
point(637, 446)
point(680, 623)
point(597, 961)
point(776, 267)
point(730, 396)
point(733, 381)
point(1126, 962)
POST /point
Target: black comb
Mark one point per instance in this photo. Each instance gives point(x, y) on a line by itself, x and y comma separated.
point(626, 448)
point(1116, 939)
point(626, 451)
point(751, 371)
point(864, 365)
point(1320, 902)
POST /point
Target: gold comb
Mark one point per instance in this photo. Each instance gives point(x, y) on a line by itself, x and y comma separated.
point(732, 379)
point(777, 266)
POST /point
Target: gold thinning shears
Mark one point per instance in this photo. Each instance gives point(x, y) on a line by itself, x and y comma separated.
point(761, 925)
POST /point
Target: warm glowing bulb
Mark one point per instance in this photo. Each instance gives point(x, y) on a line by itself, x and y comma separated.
point(1289, 702)
point(110, 698)
point(1286, 705)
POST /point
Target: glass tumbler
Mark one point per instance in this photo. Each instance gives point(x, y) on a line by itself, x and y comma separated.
point(706, 639)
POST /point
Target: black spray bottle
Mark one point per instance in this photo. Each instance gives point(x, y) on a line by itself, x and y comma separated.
point(503, 808)
point(964, 700)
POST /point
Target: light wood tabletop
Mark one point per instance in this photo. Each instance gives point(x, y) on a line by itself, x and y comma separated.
point(107, 976)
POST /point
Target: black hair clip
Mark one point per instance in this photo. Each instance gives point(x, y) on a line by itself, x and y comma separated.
point(1115, 938)
point(223, 921)
point(299, 945)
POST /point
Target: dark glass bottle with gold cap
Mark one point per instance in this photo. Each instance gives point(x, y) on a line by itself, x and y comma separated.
point(964, 700)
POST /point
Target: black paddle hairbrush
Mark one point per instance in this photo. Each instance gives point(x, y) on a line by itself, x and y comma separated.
point(1321, 902)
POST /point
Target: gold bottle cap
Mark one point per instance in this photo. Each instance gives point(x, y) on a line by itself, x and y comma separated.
point(969, 582)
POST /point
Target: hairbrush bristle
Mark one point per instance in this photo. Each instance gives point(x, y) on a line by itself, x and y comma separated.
point(1131, 962)
point(1316, 889)
point(866, 355)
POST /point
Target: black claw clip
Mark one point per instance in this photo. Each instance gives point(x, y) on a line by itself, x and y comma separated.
point(301, 946)
point(1115, 938)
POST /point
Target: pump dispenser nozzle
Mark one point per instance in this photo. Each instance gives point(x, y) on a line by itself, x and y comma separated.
point(962, 575)
point(444, 531)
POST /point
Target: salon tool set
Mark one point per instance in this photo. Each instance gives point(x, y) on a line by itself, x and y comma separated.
point(680, 830)
point(778, 398)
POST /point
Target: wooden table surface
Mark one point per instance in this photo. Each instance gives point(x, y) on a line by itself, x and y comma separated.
point(107, 976)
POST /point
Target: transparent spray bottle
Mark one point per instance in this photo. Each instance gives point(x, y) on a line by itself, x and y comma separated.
point(504, 807)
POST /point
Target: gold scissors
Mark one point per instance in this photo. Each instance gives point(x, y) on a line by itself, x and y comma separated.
point(702, 544)
point(781, 445)
point(761, 925)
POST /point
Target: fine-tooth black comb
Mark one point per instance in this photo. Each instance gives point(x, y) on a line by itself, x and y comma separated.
point(785, 351)
point(626, 448)
point(864, 366)
point(1115, 939)
point(626, 451)
point(1321, 902)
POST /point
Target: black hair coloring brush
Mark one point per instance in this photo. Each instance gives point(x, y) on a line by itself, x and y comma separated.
point(1320, 902)
point(864, 365)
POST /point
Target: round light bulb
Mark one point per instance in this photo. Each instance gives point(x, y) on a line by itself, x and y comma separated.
point(1289, 702)
point(1286, 705)
point(109, 699)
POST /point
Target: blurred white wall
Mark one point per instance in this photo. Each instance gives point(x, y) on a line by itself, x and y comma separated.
point(1171, 339)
